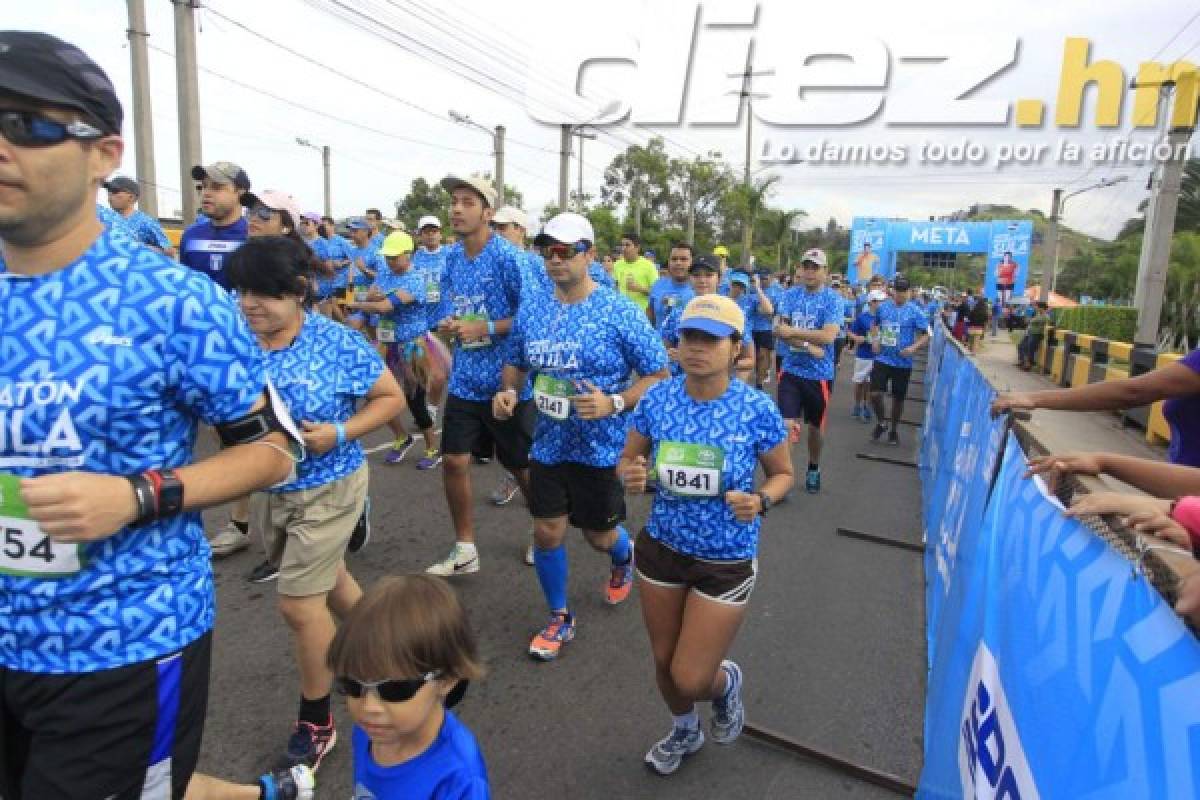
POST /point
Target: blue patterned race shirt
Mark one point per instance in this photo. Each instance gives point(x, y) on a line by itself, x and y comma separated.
point(320, 376)
point(147, 230)
point(602, 339)
point(811, 311)
point(371, 258)
point(899, 327)
point(106, 365)
point(760, 321)
point(666, 295)
point(744, 423)
point(431, 264)
point(410, 318)
point(487, 287)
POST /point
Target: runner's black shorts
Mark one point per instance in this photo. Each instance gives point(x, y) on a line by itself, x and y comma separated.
point(125, 733)
point(592, 498)
point(884, 374)
point(728, 582)
point(465, 421)
point(763, 340)
point(804, 398)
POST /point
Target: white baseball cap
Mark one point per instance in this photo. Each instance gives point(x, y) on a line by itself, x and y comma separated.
point(477, 183)
point(276, 201)
point(877, 295)
point(815, 255)
point(429, 220)
point(511, 215)
point(568, 228)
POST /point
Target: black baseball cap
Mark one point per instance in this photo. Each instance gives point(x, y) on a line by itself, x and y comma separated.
point(122, 183)
point(901, 284)
point(45, 69)
point(705, 263)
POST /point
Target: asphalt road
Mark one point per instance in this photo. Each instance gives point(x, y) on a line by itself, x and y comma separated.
point(833, 648)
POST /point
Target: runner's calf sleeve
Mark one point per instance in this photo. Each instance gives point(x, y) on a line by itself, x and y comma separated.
point(551, 567)
point(622, 549)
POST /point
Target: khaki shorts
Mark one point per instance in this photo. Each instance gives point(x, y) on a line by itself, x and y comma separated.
point(306, 531)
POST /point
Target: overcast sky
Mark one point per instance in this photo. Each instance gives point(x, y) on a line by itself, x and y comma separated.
point(426, 58)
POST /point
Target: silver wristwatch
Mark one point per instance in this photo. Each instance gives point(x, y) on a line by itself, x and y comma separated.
point(618, 403)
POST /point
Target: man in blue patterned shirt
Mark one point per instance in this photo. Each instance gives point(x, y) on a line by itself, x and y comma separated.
point(480, 292)
point(123, 194)
point(106, 590)
point(582, 344)
point(901, 329)
point(808, 320)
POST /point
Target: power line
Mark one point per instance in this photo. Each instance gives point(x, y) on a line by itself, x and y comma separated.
point(321, 113)
point(1176, 36)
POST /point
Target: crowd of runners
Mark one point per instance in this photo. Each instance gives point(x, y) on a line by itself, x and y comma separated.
point(287, 338)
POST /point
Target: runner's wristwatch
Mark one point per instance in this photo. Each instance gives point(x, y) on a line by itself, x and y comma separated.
point(618, 403)
point(765, 499)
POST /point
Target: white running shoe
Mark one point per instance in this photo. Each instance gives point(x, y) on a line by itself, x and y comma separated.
point(463, 560)
point(229, 540)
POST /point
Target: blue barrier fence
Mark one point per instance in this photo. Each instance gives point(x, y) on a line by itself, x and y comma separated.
point(1056, 670)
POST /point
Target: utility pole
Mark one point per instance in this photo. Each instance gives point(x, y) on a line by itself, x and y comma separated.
point(188, 91)
point(564, 164)
point(1160, 225)
point(325, 169)
point(1050, 250)
point(747, 93)
point(325, 152)
point(143, 127)
point(498, 148)
point(579, 195)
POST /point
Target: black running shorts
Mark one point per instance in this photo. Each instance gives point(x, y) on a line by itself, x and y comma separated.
point(883, 375)
point(126, 733)
point(592, 498)
point(465, 421)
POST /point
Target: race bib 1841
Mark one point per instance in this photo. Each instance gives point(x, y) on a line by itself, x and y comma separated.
point(552, 396)
point(24, 549)
point(889, 335)
point(690, 470)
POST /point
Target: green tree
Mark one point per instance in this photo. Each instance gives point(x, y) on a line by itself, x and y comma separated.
point(747, 204)
point(696, 190)
point(637, 179)
point(423, 198)
point(777, 232)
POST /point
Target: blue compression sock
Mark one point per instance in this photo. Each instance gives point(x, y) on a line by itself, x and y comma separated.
point(551, 566)
point(622, 549)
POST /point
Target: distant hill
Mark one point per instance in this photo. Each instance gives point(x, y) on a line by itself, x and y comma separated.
point(1070, 241)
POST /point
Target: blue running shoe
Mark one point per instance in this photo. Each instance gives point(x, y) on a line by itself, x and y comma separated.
point(667, 754)
point(729, 715)
point(812, 481)
point(856, 412)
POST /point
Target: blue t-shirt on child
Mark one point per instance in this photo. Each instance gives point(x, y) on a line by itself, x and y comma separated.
point(452, 768)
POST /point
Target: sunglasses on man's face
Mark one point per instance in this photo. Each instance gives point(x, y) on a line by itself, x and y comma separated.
point(31, 129)
point(563, 252)
point(393, 691)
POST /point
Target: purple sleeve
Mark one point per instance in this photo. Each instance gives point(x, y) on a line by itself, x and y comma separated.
point(1192, 360)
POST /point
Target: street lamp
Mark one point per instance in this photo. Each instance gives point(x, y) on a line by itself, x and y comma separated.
point(1062, 205)
point(497, 148)
point(324, 151)
point(565, 151)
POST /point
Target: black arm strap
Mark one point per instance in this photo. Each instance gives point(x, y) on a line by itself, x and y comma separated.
point(252, 427)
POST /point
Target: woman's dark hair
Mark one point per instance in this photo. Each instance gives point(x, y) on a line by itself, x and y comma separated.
point(273, 266)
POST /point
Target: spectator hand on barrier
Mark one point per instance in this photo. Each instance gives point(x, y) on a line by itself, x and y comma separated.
point(1012, 401)
point(1158, 523)
point(1116, 503)
point(1055, 467)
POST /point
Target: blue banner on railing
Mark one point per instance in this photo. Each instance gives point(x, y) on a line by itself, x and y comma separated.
point(1056, 669)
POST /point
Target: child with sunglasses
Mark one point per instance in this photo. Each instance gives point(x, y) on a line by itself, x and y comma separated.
point(403, 658)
